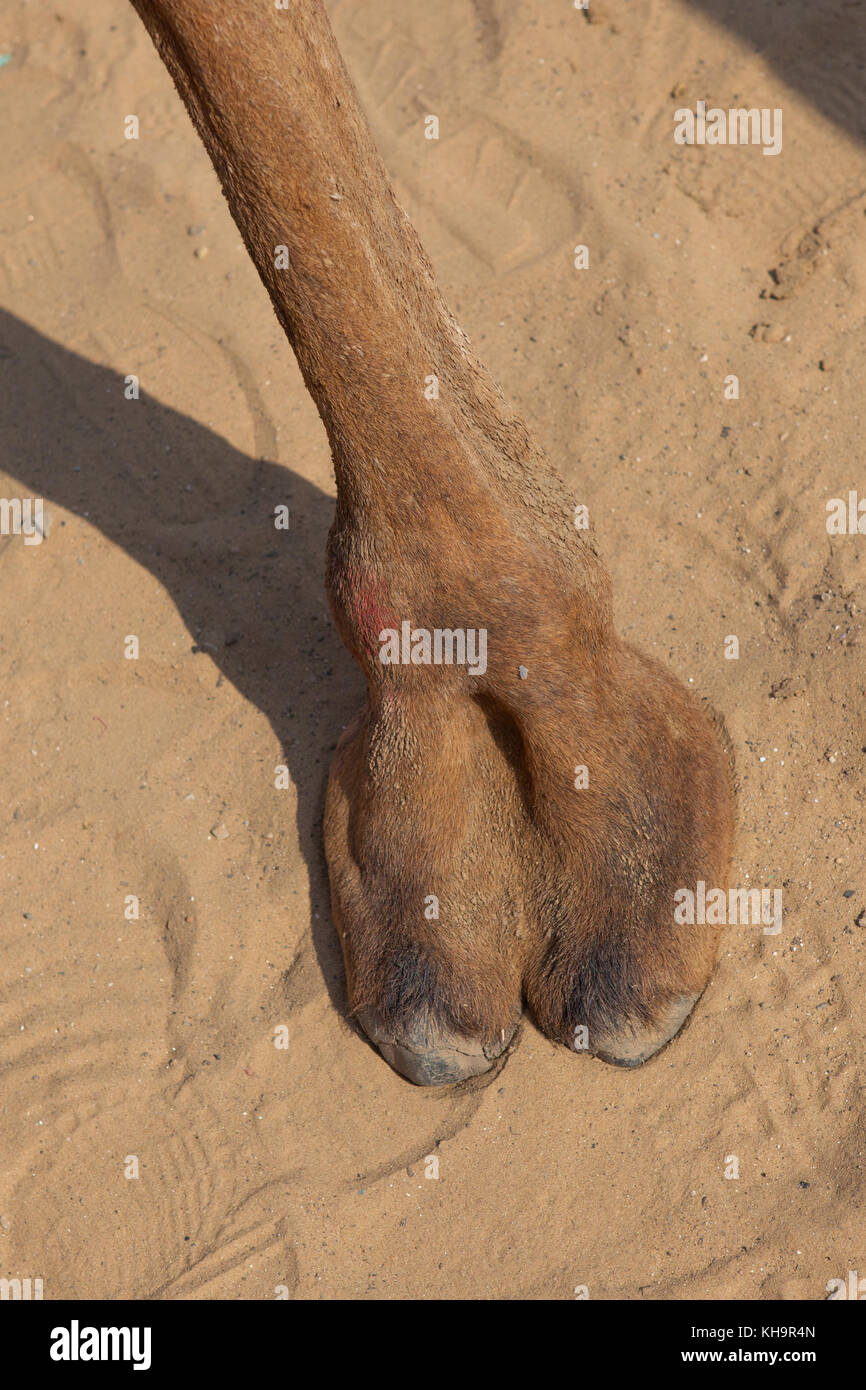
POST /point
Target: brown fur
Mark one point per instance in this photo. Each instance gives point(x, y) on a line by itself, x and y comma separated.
point(449, 516)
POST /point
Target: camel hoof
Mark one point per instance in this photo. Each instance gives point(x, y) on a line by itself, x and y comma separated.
point(430, 1055)
point(633, 1048)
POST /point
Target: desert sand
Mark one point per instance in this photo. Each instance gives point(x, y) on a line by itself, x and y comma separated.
point(146, 1043)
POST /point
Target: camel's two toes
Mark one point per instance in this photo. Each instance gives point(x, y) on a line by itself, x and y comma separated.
point(510, 815)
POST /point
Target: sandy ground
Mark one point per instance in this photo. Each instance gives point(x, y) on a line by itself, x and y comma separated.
point(152, 1038)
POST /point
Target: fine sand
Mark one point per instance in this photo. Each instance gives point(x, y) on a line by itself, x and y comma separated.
point(149, 1040)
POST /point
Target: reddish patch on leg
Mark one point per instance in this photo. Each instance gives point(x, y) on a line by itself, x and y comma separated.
point(365, 604)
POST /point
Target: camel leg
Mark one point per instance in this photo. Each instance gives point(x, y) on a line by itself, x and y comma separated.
point(470, 870)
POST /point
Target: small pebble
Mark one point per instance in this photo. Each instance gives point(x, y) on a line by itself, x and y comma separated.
point(219, 832)
point(522, 672)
